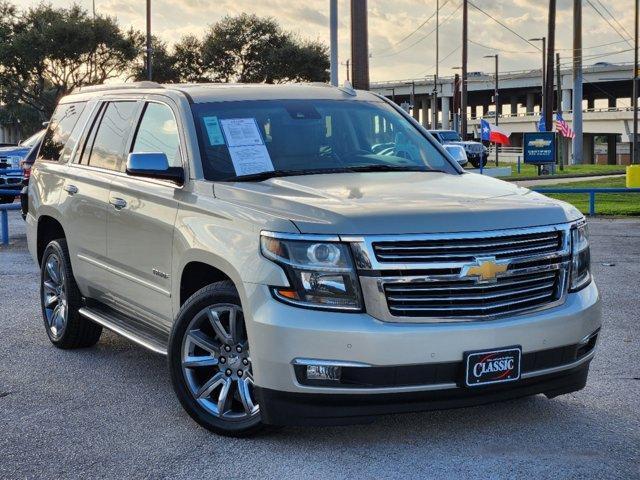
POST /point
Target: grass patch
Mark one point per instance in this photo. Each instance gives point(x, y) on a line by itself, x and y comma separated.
point(606, 203)
point(532, 171)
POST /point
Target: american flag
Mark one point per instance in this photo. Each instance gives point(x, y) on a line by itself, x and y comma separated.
point(563, 127)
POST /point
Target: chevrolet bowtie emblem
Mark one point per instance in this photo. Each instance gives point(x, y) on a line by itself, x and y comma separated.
point(485, 269)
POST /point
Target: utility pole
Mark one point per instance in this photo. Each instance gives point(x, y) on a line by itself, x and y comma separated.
point(463, 99)
point(634, 155)
point(544, 72)
point(434, 103)
point(577, 81)
point(559, 110)
point(359, 44)
point(333, 34)
point(456, 103)
point(149, 48)
point(496, 93)
point(551, 46)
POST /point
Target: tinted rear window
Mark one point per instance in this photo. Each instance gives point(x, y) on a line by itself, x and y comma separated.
point(62, 122)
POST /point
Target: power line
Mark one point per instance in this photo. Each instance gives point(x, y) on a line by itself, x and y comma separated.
point(505, 26)
point(421, 39)
point(608, 21)
point(604, 7)
point(416, 30)
point(502, 50)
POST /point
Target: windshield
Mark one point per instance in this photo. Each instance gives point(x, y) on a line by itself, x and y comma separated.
point(281, 137)
point(32, 140)
point(450, 136)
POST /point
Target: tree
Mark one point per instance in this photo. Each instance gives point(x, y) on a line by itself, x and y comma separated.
point(163, 62)
point(45, 52)
point(188, 60)
point(250, 49)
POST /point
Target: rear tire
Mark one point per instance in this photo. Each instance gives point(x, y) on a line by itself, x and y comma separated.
point(210, 364)
point(61, 301)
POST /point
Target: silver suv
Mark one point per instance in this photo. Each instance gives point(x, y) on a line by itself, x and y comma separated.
point(293, 270)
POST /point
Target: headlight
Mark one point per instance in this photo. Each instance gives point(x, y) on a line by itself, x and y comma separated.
point(321, 273)
point(580, 258)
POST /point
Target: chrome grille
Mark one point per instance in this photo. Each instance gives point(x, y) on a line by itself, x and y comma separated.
point(456, 298)
point(462, 277)
point(467, 249)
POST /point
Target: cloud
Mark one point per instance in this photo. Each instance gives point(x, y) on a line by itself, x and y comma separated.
point(389, 23)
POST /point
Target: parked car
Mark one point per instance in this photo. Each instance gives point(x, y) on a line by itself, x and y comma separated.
point(476, 152)
point(26, 164)
point(304, 255)
point(10, 158)
point(458, 153)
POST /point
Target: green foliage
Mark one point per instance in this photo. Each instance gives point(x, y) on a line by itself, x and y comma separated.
point(45, 52)
point(250, 49)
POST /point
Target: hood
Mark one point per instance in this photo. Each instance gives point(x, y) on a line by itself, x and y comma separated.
point(13, 151)
point(398, 203)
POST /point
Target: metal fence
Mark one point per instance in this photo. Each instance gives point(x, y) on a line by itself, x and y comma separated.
point(592, 192)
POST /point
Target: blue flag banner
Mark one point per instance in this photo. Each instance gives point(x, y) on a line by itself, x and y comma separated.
point(542, 126)
point(485, 130)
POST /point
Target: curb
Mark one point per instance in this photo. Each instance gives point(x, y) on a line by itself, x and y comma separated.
point(549, 177)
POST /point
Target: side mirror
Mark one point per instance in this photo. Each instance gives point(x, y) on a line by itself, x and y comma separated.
point(153, 165)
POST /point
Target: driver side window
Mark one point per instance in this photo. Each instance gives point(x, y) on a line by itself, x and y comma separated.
point(158, 133)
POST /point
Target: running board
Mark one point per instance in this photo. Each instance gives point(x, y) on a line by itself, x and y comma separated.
point(129, 328)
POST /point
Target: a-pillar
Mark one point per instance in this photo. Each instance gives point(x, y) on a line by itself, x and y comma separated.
point(566, 99)
point(530, 102)
point(424, 101)
point(446, 106)
point(514, 106)
point(612, 143)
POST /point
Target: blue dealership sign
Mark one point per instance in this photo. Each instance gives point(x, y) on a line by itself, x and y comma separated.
point(539, 148)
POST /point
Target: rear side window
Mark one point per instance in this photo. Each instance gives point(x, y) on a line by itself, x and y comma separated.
point(62, 122)
point(107, 149)
point(158, 133)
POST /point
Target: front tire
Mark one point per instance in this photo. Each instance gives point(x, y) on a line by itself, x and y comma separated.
point(61, 301)
point(210, 363)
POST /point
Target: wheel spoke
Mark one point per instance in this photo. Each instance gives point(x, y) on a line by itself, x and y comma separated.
point(52, 270)
point(245, 395)
point(209, 386)
point(50, 300)
point(200, 361)
point(49, 287)
point(235, 326)
point(205, 342)
point(224, 397)
point(221, 333)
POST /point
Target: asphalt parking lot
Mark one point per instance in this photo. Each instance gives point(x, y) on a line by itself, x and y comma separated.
point(110, 412)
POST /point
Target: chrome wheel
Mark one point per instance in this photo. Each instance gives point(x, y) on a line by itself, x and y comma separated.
point(54, 296)
point(216, 363)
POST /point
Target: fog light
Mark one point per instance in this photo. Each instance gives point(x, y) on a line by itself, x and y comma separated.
point(323, 372)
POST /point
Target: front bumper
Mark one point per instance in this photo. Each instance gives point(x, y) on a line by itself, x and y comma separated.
point(284, 408)
point(279, 334)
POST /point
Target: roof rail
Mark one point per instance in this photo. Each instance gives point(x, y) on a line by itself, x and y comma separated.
point(116, 86)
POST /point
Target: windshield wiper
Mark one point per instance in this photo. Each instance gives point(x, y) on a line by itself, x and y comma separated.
point(392, 168)
point(282, 173)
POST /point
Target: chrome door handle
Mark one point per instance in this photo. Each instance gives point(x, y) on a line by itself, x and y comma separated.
point(71, 189)
point(118, 203)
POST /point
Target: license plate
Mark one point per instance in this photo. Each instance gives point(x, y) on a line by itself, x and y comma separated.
point(492, 366)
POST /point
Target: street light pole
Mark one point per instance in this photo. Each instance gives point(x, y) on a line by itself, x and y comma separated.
point(634, 157)
point(496, 97)
point(333, 33)
point(544, 63)
point(149, 49)
point(463, 95)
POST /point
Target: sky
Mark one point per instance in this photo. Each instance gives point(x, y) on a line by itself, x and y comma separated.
point(397, 50)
